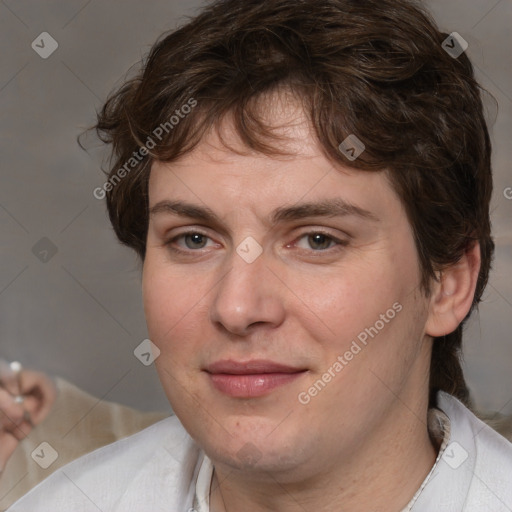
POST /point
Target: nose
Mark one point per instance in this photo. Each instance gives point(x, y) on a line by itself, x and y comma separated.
point(248, 295)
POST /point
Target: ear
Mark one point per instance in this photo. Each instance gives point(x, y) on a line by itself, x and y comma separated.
point(453, 295)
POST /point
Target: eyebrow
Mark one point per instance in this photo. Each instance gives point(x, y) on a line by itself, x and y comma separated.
point(326, 208)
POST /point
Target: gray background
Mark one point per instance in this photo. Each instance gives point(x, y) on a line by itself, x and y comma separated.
point(79, 314)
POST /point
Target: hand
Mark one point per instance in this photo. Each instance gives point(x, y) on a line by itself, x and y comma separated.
point(26, 398)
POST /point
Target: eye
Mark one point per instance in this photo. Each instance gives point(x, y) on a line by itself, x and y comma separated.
point(319, 241)
point(193, 240)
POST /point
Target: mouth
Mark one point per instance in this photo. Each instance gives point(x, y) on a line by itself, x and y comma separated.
point(252, 378)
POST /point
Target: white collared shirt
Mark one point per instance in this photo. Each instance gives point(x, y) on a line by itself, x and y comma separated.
point(161, 469)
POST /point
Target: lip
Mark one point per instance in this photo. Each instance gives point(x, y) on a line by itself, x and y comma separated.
point(254, 366)
point(250, 379)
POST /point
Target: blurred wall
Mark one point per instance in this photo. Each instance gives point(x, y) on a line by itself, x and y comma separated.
point(70, 299)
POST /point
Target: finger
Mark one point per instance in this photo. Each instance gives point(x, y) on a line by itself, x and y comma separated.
point(40, 393)
point(11, 412)
point(8, 444)
point(19, 432)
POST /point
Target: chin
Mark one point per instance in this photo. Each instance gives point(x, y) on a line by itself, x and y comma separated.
point(256, 451)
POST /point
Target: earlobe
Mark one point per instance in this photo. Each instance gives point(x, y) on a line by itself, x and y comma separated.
point(453, 295)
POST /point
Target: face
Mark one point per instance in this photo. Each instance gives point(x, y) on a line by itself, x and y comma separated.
point(283, 295)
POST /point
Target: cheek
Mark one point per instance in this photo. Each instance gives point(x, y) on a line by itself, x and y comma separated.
point(176, 306)
point(170, 304)
point(345, 301)
point(360, 312)
point(167, 300)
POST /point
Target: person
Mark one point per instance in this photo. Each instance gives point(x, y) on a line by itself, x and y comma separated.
point(308, 185)
point(36, 409)
point(28, 397)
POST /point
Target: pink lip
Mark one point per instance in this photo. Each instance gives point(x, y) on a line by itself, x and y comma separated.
point(252, 378)
point(250, 367)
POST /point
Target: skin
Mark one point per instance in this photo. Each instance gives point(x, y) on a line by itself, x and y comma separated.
point(39, 394)
point(362, 442)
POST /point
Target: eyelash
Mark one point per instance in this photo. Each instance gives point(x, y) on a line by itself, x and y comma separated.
point(338, 242)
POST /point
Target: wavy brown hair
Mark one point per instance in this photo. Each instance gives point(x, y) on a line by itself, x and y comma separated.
point(373, 68)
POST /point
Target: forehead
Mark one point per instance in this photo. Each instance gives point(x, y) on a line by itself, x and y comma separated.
point(282, 112)
point(221, 172)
